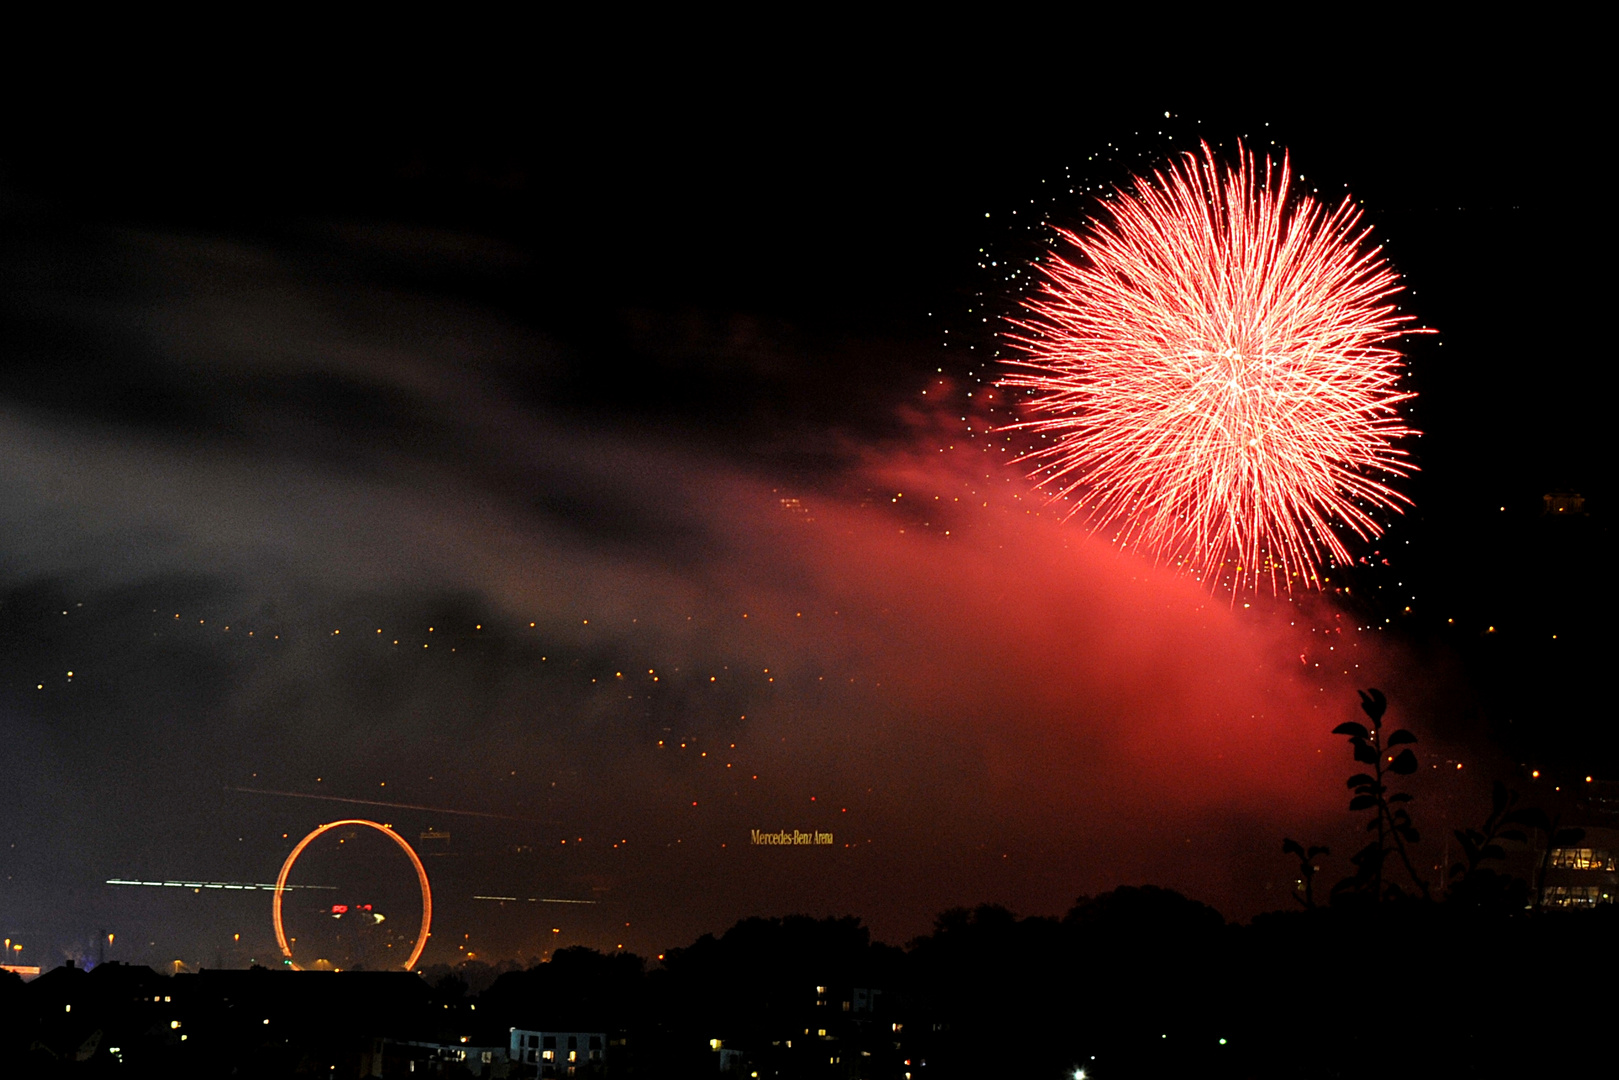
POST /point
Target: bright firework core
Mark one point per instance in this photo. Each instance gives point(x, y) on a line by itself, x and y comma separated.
point(1212, 363)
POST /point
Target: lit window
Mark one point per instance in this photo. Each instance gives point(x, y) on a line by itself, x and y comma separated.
point(1575, 896)
point(1582, 859)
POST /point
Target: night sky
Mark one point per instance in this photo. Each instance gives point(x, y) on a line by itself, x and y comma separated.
point(594, 472)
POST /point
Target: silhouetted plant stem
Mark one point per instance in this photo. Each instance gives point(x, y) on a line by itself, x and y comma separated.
point(1390, 820)
point(1307, 868)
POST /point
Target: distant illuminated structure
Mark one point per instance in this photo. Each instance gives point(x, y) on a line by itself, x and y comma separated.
point(1584, 876)
point(551, 1052)
point(1566, 503)
point(421, 878)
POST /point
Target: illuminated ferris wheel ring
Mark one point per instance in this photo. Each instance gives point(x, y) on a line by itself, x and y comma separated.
point(421, 878)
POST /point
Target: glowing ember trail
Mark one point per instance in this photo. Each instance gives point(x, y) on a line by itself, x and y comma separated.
point(1212, 365)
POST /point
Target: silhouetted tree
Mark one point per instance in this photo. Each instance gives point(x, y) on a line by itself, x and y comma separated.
point(578, 989)
point(449, 989)
point(758, 980)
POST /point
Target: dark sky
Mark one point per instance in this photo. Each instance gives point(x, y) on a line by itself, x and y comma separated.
point(555, 450)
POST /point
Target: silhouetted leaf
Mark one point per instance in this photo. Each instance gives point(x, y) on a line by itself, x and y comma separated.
point(1362, 802)
point(1293, 847)
point(1370, 851)
point(1517, 836)
point(1500, 798)
point(1360, 778)
point(1532, 816)
point(1399, 796)
point(1366, 754)
point(1493, 851)
point(1405, 763)
point(1373, 704)
point(1319, 849)
point(1353, 730)
point(1409, 832)
point(1400, 737)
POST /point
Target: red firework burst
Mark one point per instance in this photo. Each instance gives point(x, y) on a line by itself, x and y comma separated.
point(1211, 360)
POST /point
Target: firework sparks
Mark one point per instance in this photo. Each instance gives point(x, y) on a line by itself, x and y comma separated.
point(1212, 363)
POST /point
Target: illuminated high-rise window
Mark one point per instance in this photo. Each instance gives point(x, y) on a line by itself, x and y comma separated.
point(1577, 896)
point(1582, 859)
